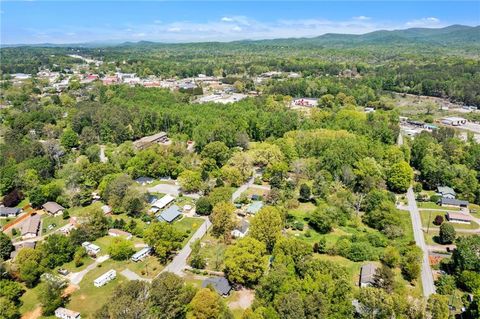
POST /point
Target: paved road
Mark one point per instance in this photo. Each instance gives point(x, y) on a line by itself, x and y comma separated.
point(179, 262)
point(426, 274)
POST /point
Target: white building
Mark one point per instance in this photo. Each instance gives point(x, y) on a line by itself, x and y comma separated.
point(454, 121)
point(90, 248)
point(105, 278)
point(139, 255)
point(65, 313)
point(162, 203)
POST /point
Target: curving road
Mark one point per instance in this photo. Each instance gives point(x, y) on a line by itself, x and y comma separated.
point(426, 274)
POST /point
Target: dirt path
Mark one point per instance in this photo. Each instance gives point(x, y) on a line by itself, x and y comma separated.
point(37, 313)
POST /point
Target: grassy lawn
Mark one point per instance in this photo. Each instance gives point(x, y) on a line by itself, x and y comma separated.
point(213, 250)
point(147, 268)
point(30, 300)
point(188, 225)
point(435, 206)
point(83, 211)
point(424, 215)
point(89, 298)
point(49, 220)
point(474, 210)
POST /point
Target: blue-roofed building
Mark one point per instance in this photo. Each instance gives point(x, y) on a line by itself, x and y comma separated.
point(170, 214)
point(254, 207)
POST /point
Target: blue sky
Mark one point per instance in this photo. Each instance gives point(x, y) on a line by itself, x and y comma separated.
point(181, 21)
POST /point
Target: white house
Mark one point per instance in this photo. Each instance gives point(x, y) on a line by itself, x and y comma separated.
point(139, 255)
point(65, 313)
point(90, 248)
point(105, 278)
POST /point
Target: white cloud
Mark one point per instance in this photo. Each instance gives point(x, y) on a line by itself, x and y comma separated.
point(424, 22)
point(361, 18)
point(174, 29)
point(140, 35)
point(237, 28)
point(227, 19)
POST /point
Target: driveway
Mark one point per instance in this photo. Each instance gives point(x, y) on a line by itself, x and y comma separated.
point(179, 262)
point(130, 275)
point(76, 277)
point(426, 274)
point(170, 189)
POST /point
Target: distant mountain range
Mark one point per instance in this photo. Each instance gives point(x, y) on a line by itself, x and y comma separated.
point(451, 35)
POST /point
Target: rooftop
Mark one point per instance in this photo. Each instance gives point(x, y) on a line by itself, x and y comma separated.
point(366, 273)
point(220, 284)
point(31, 225)
point(170, 214)
point(459, 216)
point(254, 207)
point(52, 207)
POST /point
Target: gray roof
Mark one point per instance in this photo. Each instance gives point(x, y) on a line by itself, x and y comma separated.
point(6, 211)
point(445, 190)
point(220, 284)
point(243, 226)
point(170, 214)
point(52, 207)
point(141, 252)
point(254, 207)
point(453, 201)
point(31, 225)
point(366, 273)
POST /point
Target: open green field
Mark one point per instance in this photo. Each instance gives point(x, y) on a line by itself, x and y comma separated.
point(427, 216)
point(435, 206)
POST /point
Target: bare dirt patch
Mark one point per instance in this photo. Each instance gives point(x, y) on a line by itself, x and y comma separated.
point(69, 290)
point(37, 313)
point(244, 299)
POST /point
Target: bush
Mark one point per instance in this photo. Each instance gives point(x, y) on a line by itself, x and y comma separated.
point(438, 220)
point(203, 206)
point(361, 252)
point(447, 233)
point(435, 198)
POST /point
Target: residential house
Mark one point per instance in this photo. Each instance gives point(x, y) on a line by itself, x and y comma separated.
point(367, 273)
point(147, 141)
point(452, 202)
point(459, 218)
point(305, 102)
point(9, 211)
point(53, 208)
point(220, 284)
point(254, 207)
point(141, 254)
point(119, 233)
point(90, 248)
point(162, 203)
point(446, 192)
point(65, 313)
point(105, 278)
point(241, 230)
point(144, 180)
point(170, 214)
point(31, 226)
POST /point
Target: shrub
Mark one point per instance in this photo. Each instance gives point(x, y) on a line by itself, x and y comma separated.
point(438, 220)
point(435, 198)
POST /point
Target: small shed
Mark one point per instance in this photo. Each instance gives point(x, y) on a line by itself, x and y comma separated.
point(367, 273)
